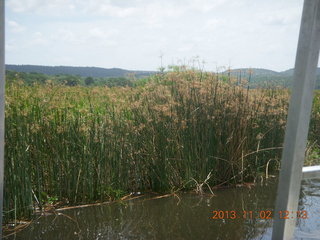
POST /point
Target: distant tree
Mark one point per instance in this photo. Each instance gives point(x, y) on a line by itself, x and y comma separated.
point(118, 82)
point(27, 78)
point(68, 80)
point(11, 76)
point(89, 81)
point(35, 77)
point(72, 80)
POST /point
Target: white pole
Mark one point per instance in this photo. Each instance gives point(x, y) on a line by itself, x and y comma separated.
point(298, 120)
point(2, 94)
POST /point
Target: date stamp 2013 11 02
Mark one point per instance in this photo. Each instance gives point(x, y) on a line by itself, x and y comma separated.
point(261, 214)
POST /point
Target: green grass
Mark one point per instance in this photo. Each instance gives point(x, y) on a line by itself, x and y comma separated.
point(81, 145)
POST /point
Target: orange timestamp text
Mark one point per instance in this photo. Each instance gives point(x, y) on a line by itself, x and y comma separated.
point(261, 214)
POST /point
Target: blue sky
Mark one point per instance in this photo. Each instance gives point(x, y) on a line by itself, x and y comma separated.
point(133, 34)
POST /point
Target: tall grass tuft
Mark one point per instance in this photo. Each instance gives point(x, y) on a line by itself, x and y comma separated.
point(81, 145)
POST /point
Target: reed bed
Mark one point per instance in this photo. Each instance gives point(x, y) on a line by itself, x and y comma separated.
point(82, 145)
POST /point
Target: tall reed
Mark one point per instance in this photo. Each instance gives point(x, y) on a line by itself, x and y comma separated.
point(82, 145)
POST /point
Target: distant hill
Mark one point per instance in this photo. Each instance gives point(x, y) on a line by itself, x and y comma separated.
point(254, 71)
point(260, 77)
point(265, 72)
point(290, 72)
point(80, 71)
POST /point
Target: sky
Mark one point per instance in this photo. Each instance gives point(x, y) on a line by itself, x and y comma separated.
point(145, 34)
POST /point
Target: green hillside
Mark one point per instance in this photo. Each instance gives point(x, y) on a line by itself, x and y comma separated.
point(258, 77)
point(80, 71)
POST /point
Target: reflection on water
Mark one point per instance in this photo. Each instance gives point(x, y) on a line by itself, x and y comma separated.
point(310, 202)
point(189, 217)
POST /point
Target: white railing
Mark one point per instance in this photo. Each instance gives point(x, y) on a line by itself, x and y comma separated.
point(311, 172)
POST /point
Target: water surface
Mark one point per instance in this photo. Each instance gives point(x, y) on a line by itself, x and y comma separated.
point(188, 216)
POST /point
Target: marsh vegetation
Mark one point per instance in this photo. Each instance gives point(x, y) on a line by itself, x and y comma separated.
point(75, 145)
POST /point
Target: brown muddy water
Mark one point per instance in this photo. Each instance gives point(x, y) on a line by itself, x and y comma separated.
point(188, 216)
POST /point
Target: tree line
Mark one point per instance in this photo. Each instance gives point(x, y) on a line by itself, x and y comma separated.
point(68, 80)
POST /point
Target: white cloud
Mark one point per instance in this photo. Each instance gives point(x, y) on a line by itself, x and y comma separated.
point(42, 7)
point(206, 6)
point(15, 27)
point(107, 9)
point(131, 34)
point(211, 24)
point(39, 38)
point(10, 47)
point(66, 36)
point(22, 5)
point(281, 17)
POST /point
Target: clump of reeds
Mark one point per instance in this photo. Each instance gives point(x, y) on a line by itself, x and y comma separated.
point(81, 145)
